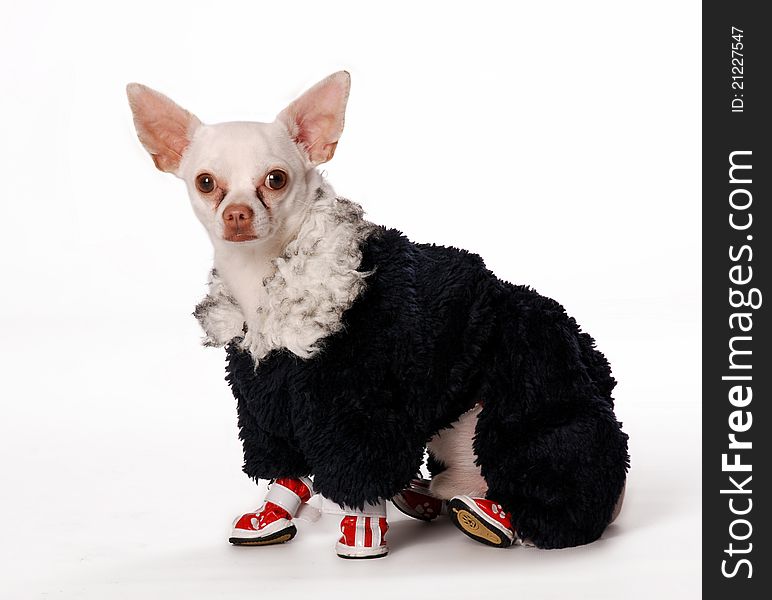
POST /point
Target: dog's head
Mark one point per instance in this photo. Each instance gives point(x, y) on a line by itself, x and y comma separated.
point(246, 181)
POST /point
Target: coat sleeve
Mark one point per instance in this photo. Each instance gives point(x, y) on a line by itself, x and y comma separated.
point(359, 450)
point(265, 425)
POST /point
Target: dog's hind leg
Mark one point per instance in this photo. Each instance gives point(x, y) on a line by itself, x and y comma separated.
point(452, 447)
point(561, 478)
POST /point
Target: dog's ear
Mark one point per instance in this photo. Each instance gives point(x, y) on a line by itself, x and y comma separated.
point(164, 128)
point(315, 120)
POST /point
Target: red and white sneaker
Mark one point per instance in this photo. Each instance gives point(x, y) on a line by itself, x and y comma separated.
point(272, 522)
point(416, 501)
point(482, 520)
point(364, 536)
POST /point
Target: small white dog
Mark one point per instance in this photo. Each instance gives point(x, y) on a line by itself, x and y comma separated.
point(351, 349)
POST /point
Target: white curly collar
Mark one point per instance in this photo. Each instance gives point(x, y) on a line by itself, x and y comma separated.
point(311, 284)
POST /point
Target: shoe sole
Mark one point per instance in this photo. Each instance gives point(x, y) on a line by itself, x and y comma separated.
point(279, 537)
point(475, 526)
point(361, 556)
point(406, 510)
point(367, 556)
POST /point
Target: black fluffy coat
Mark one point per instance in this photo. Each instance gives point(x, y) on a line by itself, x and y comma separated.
point(433, 333)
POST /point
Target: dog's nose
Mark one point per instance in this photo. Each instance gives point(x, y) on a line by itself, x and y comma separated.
point(238, 221)
point(238, 215)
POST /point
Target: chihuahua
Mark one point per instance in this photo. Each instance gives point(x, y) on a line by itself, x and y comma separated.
point(351, 350)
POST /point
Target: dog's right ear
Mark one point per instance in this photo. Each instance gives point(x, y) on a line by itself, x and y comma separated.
point(164, 128)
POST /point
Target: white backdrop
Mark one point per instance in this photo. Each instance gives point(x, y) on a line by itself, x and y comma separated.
point(561, 141)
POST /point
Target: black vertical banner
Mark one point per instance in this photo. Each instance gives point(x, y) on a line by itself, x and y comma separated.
point(737, 362)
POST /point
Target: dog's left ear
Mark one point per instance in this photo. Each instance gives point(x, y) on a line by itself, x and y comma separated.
point(315, 120)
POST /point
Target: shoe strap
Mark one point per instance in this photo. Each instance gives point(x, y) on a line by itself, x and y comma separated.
point(283, 497)
point(309, 484)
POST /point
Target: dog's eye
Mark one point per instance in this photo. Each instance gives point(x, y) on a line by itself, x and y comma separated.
point(276, 179)
point(205, 183)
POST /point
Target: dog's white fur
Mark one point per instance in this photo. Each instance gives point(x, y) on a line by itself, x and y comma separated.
point(288, 288)
point(453, 447)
